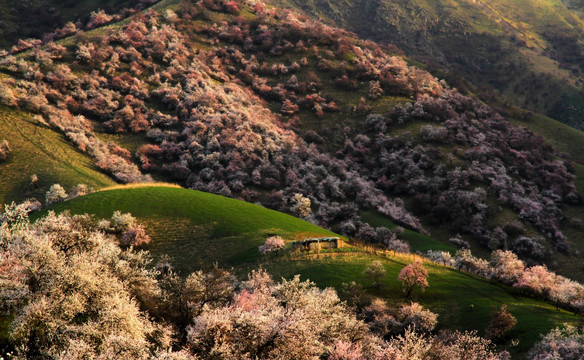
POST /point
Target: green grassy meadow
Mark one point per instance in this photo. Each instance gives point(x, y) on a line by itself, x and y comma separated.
point(463, 301)
point(195, 228)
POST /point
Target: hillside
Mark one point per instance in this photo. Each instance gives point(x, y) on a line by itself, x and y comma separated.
point(527, 51)
point(241, 101)
point(272, 123)
point(36, 18)
point(194, 228)
point(38, 150)
point(198, 229)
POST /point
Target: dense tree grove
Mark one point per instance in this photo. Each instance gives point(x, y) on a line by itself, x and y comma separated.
point(494, 160)
point(219, 92)
point(74, 293)
point(206, 113)
point(565, 344)
point(507, 268)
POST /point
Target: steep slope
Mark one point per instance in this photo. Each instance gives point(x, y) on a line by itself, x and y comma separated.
point(38, 150)
point(36, 18)
point(528, 51)
point(247, 102)
point(198, 229)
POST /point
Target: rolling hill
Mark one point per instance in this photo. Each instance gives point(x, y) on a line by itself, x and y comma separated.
point(198, 229)
point(246, 101)
point(243, 102)
point(195, 228)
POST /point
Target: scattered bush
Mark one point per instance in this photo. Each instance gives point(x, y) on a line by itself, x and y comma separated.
point(135, 235)
point(300, 205)
point(4, 150)
point(80, 190)
point(459, 242)
point(122, 222)
point(376, 271)
point(502, 322)
point(420, 319)
point(55, 195)
point(272, 244)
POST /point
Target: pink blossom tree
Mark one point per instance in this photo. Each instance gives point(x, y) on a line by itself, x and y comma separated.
point(273, 244)
point(413, 276)
point(135, 235)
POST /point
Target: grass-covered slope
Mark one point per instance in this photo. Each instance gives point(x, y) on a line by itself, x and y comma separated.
point(463, 301)
point(238, 120)
point(529, 51)
point(198, 229)
point(41, 151)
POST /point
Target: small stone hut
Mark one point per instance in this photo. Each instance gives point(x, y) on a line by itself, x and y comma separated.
point(315, 244)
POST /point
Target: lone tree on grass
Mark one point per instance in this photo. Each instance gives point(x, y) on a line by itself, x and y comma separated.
point(376, 270)
point(413, 276)
point(502, 322)
point(273, 244)
point(55, 194)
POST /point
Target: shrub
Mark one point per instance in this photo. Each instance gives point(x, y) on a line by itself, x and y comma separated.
point(502, 322)
point(506, 267)
point(366, 233)
point(288, 107)
point(272, 244)
point(300, 205)
point(122, 222)
point(528, 247)
point(135, 235)
point(98, 18)
point(398, 245)
point(431, 133)
point(381, 319)
point(376, 271)
point(4, 150)
point(353, 293)
point(375, 90)
point(459, 242)
point(55, 194)
point(80, 190)
point(565, 344)
point(7, 98)
point(414, 314)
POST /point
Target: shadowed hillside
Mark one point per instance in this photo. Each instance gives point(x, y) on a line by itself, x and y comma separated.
point(36, 18)
point(529, 52)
